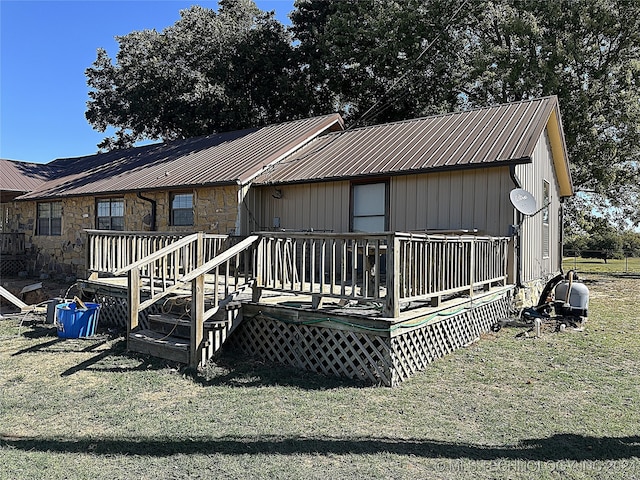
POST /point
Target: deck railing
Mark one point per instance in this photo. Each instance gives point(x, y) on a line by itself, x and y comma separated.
point(390, 268)
point(183, 265)
point(337, 265)
point(433, 266)
point(12, 243)
point(109, 251)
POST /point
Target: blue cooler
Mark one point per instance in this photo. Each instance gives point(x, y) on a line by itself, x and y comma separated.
point(74, 322)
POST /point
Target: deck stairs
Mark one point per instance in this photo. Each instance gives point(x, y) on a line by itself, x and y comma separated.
point(194, 331)
point(168, 335)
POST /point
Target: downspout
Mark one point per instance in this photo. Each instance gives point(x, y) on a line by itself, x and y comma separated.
point(516, 230)
point(561, 228)
point(153, 203)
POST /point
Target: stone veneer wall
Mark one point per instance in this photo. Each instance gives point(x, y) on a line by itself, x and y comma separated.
point(529, 294)
point(215, 211)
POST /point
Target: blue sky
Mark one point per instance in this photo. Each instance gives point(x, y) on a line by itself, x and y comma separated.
point(45, 47)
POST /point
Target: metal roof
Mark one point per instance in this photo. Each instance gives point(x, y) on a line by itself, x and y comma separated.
point(483, 137)
point(225, 158)
point(20, 177)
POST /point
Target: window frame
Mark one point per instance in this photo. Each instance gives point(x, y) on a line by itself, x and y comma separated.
point(173, 210)
point(111, 217)
point(546, 219)
point(354, 185)
point(52, 219)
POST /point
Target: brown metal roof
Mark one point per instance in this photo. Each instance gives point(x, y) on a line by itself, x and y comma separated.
point(226, 158)
point(482, 137)
point(20, 177)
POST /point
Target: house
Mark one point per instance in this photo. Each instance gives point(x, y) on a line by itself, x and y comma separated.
point(449, 172)
point(413, 222)
point(179, 186)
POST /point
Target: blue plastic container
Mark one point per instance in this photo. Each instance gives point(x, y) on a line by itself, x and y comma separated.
point(76, 322)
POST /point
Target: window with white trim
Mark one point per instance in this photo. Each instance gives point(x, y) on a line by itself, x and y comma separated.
point(369, 207)
point(49, 219)
point(110, 214)
point(182, 209)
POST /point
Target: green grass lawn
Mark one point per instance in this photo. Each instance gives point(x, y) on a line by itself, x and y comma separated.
point(566, 405)
point(630, 265)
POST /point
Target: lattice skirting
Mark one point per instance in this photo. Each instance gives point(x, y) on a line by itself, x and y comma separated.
point(414, 350)
point(373, 358)
point(323, 350)
point(10, 266)
point(114, 311)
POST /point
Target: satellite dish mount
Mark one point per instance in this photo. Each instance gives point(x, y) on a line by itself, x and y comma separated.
point(523, 201)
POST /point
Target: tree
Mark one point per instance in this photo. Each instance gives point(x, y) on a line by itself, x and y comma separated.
point(366, 58)
point(407, 58)
point(383, 60)
point(208, 72)
point(588, 53)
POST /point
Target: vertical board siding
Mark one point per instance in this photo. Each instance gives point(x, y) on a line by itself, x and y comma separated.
point(456, 207)
point(443, 203)
point(320, 206)
point(467, 197)
point(477, 198)
point(534, 266)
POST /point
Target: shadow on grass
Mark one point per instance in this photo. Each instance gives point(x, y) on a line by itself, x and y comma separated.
point(235, 369)
point(231, 368)
point(64, 345)
point(39, 331)
point(37, 348)
point(554, 448)
point(104, 345)
point(120, 361)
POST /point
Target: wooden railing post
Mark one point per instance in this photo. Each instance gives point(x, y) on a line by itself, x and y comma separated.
point(392, 305)
point(197, 320)
point(197, 305)
point(133, 295)
point(472, 266)
point(258, 270)
point(505, 258)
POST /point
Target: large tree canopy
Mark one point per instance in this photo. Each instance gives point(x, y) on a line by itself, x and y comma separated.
point(383, 60)
point(378, 61)
point(588, 53)
point(208, 72)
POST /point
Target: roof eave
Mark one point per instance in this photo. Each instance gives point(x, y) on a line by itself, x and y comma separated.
point(399, 173)
point(559, 153)
point(106, 193)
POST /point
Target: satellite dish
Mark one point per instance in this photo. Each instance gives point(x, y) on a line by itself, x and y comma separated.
point(523, 201)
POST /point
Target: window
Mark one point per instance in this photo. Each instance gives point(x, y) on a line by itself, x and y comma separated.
point(110, 214)
point(49, 218)
point(182, 209)
point(369, 202)
point(546, 198)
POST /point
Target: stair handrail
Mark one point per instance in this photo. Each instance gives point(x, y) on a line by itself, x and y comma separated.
point(152, 257)
point(221, 258)
point(205, 268)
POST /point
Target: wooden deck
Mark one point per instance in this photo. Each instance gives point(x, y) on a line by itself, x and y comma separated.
point(367, 313)
point(374, 307)
point(348, 339)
